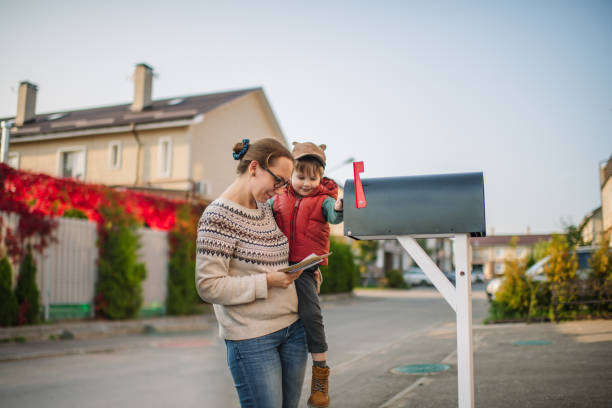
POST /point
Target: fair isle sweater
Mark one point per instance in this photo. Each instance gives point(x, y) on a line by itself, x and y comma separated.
point(236, 247)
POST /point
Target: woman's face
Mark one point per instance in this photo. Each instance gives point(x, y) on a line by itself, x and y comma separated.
point(264, 182)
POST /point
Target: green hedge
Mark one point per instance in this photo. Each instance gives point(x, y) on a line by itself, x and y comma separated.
point(341, 275)
point(395, 279)
point(182, 297)
point(120, 275)
point(8, 301)
point(26, 292)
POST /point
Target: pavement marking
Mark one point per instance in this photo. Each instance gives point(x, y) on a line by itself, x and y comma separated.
point(405, 391)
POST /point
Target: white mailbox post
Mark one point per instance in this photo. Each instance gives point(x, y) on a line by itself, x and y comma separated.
point(437, 206)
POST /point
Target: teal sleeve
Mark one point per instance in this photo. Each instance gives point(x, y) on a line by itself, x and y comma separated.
point(332, 216)
point(271, 204)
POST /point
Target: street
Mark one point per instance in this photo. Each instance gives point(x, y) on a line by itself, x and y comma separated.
point(365, 334)
point(369, 335)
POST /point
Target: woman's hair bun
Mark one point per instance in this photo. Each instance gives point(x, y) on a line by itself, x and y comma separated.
point(240, 149)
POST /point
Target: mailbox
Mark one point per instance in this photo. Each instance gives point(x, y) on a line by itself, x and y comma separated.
point(416, 205)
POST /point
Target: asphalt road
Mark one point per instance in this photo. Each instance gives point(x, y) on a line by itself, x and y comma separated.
point(368, 336)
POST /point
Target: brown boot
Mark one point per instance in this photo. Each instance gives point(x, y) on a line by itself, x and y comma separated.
point(319, 389)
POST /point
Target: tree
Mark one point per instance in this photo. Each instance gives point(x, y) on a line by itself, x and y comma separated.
point(560, 271)
point(573, 234)
point(8, 301)
point(120, 275)
point(27, 292)
point(182, 293)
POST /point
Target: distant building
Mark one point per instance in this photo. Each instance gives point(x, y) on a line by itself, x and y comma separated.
point(606, 198)
point(592, 227)
point(178, 146)
point(489, 253)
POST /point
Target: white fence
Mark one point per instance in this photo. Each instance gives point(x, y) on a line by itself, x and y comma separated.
point(67, 269)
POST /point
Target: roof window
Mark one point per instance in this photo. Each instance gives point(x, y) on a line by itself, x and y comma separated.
point(176, 101)
point(56, 116)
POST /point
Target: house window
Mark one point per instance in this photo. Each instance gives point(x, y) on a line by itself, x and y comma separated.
point(164, 156)
point(72, 162)
point(114, 154)
point(499, 252)
point(13, 160)
point(499, 268)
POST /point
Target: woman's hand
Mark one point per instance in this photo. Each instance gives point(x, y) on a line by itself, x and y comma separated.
point(277, 279)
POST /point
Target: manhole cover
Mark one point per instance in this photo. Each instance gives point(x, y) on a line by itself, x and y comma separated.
point(532, 343)
point(421, 368)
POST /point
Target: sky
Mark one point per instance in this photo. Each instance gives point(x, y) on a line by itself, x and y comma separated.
point(519, 90)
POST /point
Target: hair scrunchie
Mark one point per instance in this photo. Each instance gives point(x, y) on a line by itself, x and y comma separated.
point(241, 153)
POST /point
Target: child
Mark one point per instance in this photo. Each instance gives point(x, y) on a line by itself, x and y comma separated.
point(303, 212)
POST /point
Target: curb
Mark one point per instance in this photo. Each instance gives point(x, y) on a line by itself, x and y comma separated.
point(98, 329)
point(93, 329)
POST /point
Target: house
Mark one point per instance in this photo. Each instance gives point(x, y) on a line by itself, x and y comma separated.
point(177, 146)
point(591, 227)
point(606, 198)
point(489, 253)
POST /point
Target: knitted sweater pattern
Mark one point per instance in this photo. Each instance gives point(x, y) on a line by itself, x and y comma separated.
point(235, 249)
point(231, 232)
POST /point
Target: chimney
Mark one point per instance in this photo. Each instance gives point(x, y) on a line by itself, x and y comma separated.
point(26, 103)
point(143, 87)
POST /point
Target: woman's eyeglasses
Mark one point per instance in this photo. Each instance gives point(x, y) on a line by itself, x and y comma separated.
point(278, 182)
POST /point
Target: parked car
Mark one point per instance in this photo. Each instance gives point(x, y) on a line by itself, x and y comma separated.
point(415, 276)
point(477, 276)
point(536, 271)
point(450, 275)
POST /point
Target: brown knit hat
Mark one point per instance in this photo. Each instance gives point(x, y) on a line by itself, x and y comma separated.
point(309, 149)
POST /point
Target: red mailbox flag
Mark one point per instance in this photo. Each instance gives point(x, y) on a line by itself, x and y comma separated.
point(360, 200)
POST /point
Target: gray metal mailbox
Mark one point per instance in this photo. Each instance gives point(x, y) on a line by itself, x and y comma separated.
point(416, 205)
point(405, 208)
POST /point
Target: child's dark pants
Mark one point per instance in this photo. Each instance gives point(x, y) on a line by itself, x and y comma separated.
point(309, 310)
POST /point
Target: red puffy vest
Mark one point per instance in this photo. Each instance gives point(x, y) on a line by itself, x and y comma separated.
point(301, 220)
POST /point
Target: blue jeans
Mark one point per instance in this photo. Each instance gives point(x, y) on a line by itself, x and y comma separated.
point(268, 371)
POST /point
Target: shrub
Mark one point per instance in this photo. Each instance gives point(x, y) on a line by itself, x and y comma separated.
point(514, 291)
point(560, 271)
point(8, 301)
point(341, 275)
point(395, 279)
point(182, 294)
point(75, 213)
point(26, 291)
point(120, 276)
point(601, 279)
point(519, 297)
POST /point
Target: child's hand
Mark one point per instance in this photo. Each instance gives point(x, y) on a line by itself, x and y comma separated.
point(339, 204)
point(319, 278)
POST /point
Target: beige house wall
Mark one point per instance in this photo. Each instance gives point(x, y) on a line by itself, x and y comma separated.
point(606, 208)
point(214, 138)
point(493, 257)
point(179, 157)
point(44, 157)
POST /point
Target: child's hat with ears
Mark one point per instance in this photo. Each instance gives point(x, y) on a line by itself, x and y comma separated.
point(309, 149)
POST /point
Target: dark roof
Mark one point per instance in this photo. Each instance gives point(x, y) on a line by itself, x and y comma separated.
point(504, 240)
point(121, 115)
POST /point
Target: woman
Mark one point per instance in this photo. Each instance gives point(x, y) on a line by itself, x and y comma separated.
point(239, 251)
